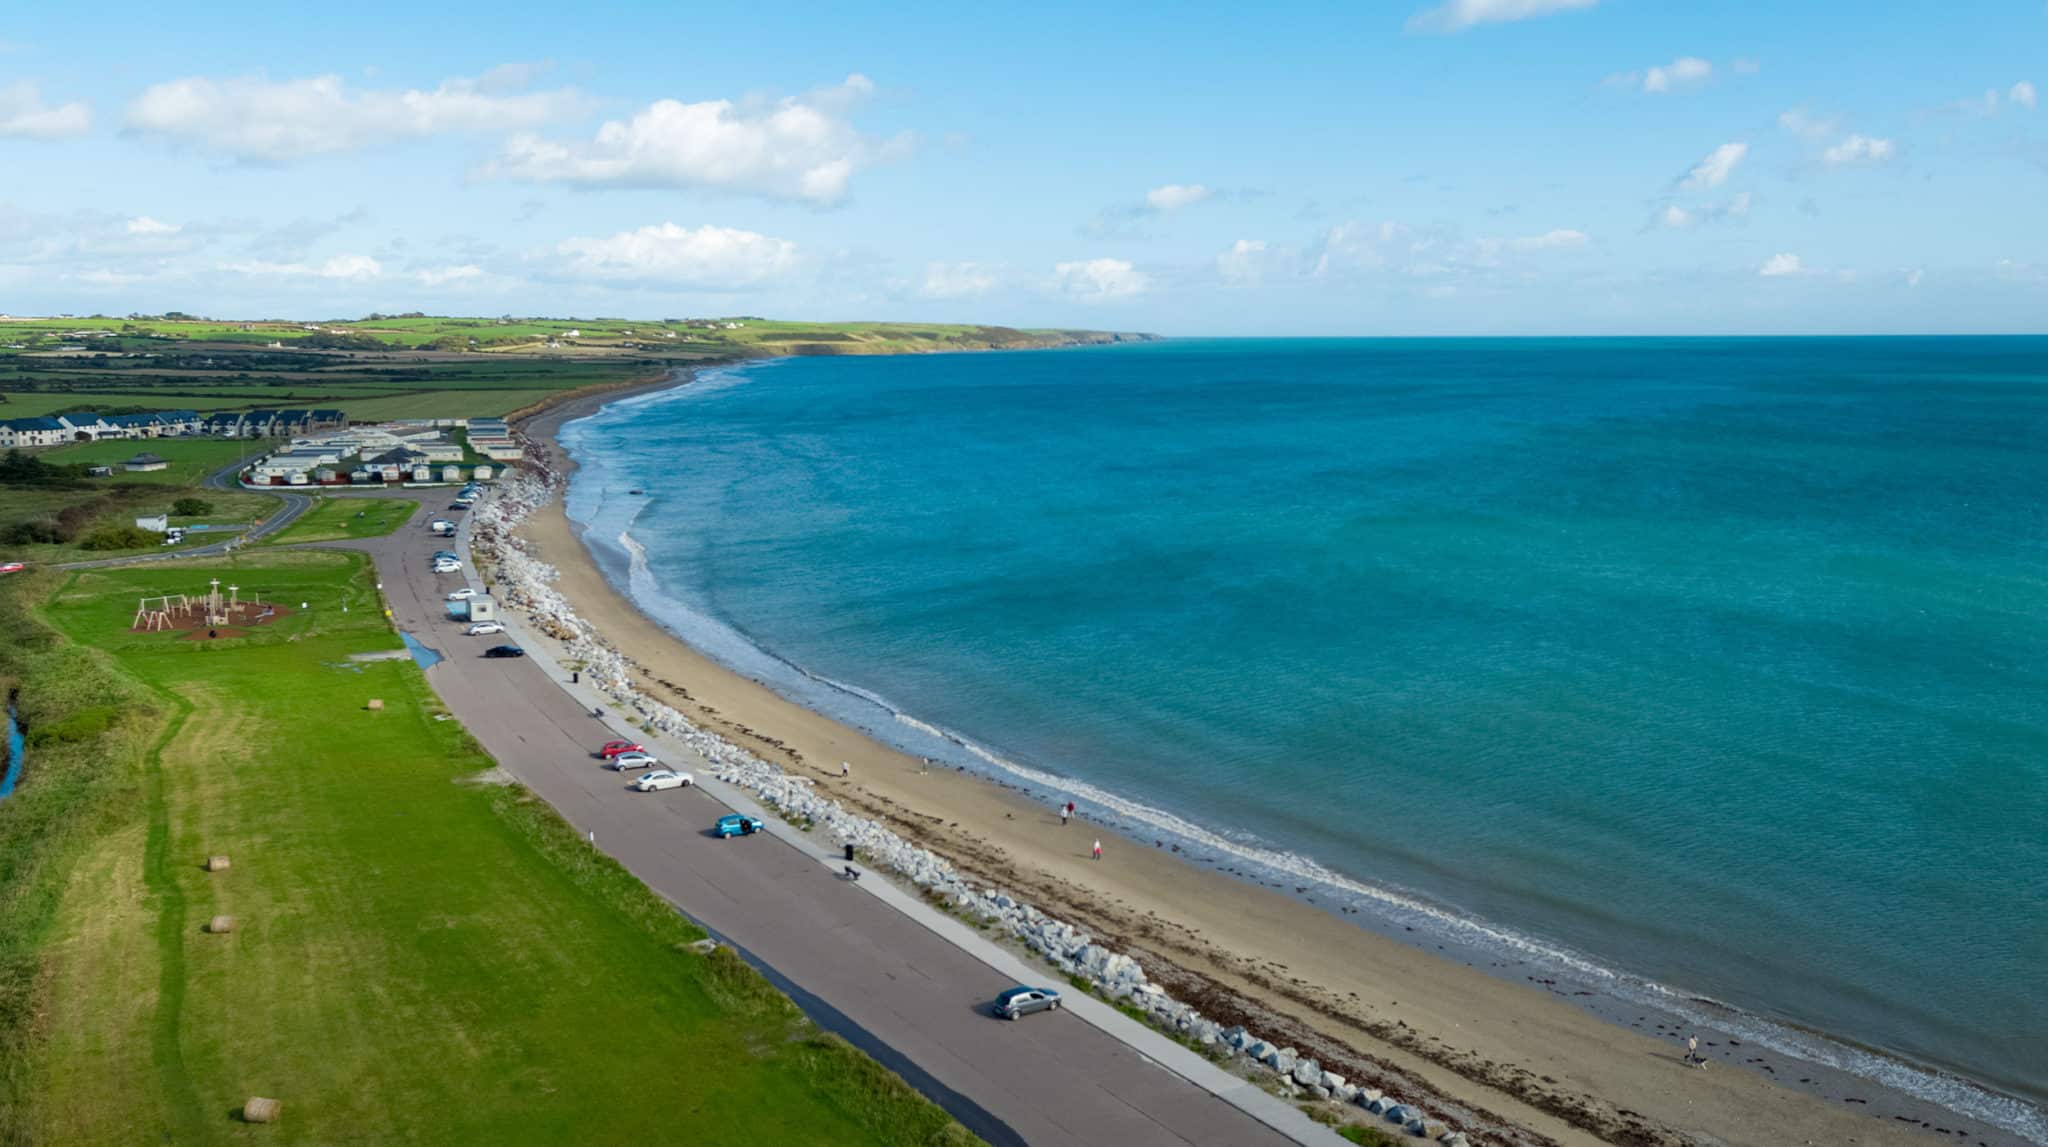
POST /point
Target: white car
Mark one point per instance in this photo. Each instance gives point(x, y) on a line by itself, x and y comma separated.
point(447, 565)
point(484, 629)
point(462, 594)
point(661, 779)
point(625, 761)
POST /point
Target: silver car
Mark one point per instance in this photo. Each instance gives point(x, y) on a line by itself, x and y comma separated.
point(1021, 1001)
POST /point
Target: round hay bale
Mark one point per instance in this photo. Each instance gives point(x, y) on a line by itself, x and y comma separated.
point(216, 864)
point(220, 924)
point(261, 1110)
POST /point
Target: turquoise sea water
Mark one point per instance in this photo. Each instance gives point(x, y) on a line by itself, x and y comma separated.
point(1712, 665)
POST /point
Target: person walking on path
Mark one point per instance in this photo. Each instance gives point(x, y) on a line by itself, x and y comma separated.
point(1098, 850)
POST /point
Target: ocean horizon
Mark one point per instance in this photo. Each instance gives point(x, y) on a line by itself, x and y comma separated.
point(1696, 669)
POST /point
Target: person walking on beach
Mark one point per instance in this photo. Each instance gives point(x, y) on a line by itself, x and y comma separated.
point(1692, 1051)
point(845, 770)
point(1066, 810)
point(1098, 850)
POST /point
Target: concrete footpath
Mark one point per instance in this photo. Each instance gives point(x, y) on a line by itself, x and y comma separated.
point(907, 983)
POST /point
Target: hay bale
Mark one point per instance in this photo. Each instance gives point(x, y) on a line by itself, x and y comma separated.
point(216, 864)
point(220, 925)
point(376, 705)
point(260, 1110)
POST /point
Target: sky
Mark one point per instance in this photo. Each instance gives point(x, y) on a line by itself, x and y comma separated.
point(1377, 167)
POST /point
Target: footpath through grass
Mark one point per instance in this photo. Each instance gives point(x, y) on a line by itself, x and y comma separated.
point(334, 519)
point(421, 954)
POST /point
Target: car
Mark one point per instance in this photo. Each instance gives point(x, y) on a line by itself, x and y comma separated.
point(736, 824)
point(660, 779)
point(613, 748)
point(441, 526)
point(12, 567)
point(484, 629)
point(447, 556)
point(504, 651)
point(463, 594)
point(446, 566)
point(1022, 1001)
point(625, 761)
point(457, 507)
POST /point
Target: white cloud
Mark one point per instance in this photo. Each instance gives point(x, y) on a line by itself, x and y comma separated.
point(354, 268)
point(1458, 15)
point(1780, 265)
point(1551, 240)
point(443, 276)
point(956, 280)
point(1805, 125)
point(1243, 262)
point(1714, 170)
point(271, 121)
point(800, 148)
point(1684, 71)
point(2022, 95)
point(1860, 149)
point(713, 257)
point(1675, 217)
point(144, 225)
point(1100, 280)
point(24, 114)
point(1175, 196)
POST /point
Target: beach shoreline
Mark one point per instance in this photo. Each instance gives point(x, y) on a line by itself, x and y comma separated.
point(1518, 1055)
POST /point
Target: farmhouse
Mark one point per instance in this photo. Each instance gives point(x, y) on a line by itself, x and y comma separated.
point(143, 463)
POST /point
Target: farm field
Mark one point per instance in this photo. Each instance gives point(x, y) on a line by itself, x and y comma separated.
point(419, 953)
point(191, 459)
point(333, 519)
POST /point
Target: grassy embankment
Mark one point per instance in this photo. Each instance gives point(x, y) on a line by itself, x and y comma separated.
point(334, 519)
point(420, 954)
point(55, 514)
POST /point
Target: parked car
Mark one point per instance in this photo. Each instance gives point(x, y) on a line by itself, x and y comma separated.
point(612, 749)
point(660, 779)
point(504, 651)
point(457, 507)
point(1021, 1001)
point(447, 556)
point(12, 567)
point(463, 594)
point(441, 526)
point(484, 629)
point(638, 760)
point(447, 565)
point(736, 824)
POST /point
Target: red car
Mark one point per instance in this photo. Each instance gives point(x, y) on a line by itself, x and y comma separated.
point(614, 748)
point(12, 567)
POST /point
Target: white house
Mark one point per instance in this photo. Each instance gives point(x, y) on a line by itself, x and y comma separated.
point(33, 432)
point(155, 524)
point(143, 462)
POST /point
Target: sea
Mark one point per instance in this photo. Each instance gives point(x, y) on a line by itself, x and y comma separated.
point(1711, 673)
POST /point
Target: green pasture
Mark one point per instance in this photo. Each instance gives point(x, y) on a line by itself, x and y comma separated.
point(191, 459)
point(333, 519)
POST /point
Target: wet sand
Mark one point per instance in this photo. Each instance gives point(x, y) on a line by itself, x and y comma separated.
point(1483, 1044)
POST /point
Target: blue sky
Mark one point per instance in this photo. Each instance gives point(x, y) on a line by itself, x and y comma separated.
point(1374, 167)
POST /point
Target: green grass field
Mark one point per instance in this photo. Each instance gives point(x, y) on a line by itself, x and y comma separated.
point(119, 504)
point(419, 955)
point(332, 519)
point(191, 459)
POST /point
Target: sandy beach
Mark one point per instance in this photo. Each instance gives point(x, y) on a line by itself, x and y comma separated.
point(1483, 1042)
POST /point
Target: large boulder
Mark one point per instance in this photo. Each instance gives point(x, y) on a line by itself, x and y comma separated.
point(1262, 1051)
point(1398, 1113)
point(1345, 1093)
point(1307, 1073)
point(1284, 1061)
point(1368, 1095)
point(1418, 1128)
point(1331, 1080)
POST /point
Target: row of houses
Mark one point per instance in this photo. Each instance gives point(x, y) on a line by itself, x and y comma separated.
point(415, 451)
point(272, 423)
point(492, 438)
point(56, 430)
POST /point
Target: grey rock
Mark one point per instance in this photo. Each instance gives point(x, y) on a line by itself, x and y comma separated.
point(1331, 1080)
point(1307, 1073)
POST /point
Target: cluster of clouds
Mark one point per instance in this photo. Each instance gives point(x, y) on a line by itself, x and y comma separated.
point(25, 115)
point(1678, 75)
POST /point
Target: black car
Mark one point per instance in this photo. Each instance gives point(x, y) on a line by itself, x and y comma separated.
point(504, 651)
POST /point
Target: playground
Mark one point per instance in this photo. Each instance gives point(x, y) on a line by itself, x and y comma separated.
point(206, 616)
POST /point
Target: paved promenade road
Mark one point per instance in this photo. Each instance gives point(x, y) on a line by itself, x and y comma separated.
point(921, 1002)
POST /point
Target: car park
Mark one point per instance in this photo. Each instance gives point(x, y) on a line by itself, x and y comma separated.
point(638, 760)
point(484, 629)
point(463, 594)
point(1022, 1001)
point(660, 779)
point(736, 824)
point(613, 748)
point(504, 651)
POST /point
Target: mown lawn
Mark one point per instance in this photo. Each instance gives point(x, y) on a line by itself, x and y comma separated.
point(418, 956)
point(332, 519)
point(191, 459)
